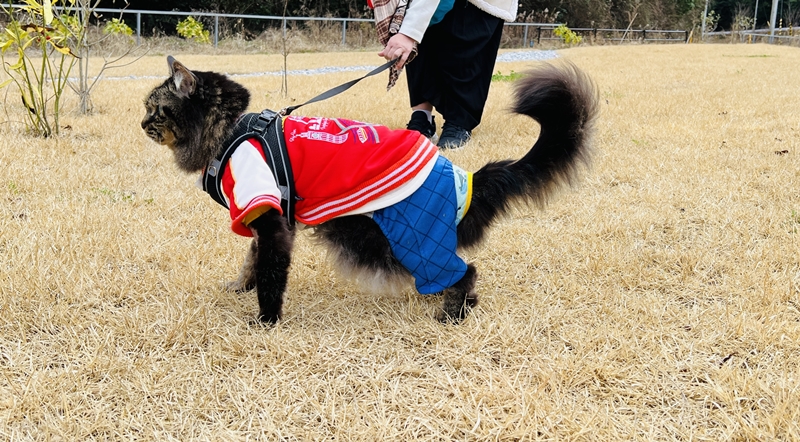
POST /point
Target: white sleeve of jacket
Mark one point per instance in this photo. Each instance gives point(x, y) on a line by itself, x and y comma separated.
point(418, 16)
point(253, 181)
point(504, 9)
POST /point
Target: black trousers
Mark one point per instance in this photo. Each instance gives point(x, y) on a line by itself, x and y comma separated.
point(454, 65)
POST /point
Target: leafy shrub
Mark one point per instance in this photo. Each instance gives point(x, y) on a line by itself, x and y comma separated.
point(567, 35)
point(191, 28)
point(712, 19)
point(116, 26)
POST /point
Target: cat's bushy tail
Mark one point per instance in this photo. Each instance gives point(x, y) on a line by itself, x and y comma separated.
point(564, 101)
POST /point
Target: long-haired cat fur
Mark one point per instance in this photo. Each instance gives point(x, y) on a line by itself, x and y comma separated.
point(193, 112)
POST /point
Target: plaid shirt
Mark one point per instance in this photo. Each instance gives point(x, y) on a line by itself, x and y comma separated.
point(389, 15)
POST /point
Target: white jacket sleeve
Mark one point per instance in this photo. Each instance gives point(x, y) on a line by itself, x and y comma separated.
point(418, 16)
point(504, 9)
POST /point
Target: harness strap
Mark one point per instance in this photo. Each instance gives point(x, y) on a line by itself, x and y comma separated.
point(278, 156)
point(267, 129)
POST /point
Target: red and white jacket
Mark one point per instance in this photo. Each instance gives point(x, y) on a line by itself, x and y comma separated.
point(340, 167)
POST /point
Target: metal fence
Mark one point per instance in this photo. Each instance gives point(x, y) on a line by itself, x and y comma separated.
point(531, 33)
point(215, 16)
point(781, 36)
point(535, 33)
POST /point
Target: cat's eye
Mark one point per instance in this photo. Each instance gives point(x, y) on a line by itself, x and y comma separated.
point(165, 111)
point(155, 111)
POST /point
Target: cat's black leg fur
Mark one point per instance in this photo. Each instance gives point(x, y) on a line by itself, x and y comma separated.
point(247, 275)
point(460, 298)
point(273, 255)
point(359, 243)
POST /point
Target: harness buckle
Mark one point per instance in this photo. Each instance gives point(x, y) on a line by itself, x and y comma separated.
point(213, 168)
point(284, 192)
point(264, 119)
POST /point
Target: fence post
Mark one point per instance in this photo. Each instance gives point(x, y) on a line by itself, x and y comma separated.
point(216, 30)
point(525, 37)
point(644, 35)
point(138, 29)
point(539, 35)
point(284, 27)
point(686, 36)
point(344, 32)
point(772, 17)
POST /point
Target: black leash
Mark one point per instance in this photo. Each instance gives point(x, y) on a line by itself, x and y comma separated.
point(338, 89)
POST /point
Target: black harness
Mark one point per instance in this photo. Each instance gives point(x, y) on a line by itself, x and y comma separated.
point(267, 129)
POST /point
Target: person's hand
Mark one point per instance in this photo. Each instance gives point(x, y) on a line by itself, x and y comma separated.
point(399, 46)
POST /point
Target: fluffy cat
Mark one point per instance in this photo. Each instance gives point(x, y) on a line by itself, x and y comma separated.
point(194, 112)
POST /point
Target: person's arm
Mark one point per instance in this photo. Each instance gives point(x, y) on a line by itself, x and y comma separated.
point(418, 16)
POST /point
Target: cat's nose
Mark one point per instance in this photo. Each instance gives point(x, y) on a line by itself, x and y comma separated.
point(145, 122)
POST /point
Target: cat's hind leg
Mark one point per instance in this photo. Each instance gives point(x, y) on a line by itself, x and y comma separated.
point(460, 298)
point(360, 251)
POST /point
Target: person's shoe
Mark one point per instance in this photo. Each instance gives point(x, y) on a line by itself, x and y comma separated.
point(419, 122)
point(453, 137)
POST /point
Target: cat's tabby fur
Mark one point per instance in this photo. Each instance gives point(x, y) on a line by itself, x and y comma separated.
point(193, 112)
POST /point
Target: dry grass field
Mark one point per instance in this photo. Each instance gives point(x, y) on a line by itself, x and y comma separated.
point(657, 300)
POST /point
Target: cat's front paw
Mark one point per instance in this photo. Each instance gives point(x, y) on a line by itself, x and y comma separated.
point(268, 318)
point(238, 286)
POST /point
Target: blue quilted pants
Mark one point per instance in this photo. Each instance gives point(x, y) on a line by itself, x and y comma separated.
point(422, 231)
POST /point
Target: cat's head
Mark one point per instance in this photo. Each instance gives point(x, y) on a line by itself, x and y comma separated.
point(192, 113)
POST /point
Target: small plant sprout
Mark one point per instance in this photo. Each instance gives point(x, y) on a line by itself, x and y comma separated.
point(499, 76)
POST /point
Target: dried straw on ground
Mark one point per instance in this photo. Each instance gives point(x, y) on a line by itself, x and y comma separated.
point(658, 300)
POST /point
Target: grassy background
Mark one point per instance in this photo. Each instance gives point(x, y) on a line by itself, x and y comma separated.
point(659, 300)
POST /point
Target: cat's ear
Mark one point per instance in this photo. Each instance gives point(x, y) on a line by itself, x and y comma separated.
point(185, 80)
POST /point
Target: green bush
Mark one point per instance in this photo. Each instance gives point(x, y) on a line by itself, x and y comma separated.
point(191, 28)
point(116, 26)
point(567, 35)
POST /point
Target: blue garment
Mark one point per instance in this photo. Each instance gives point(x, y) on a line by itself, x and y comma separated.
point(421, 230)
point(444, 7)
